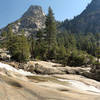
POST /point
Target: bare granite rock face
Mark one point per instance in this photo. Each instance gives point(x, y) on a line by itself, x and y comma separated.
point(31, 21)
point(17, 86)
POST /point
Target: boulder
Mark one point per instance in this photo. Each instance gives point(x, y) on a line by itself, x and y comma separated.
point(30, 66)
point(5, 56)
point(39, 69)
point(14, 64)
point(95, 70)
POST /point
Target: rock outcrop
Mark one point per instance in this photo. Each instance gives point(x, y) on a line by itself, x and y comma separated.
point(31, 21)
point(4, 55)
point(49, 68)
point(95, 71)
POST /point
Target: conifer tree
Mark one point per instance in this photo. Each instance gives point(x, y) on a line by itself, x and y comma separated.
point(9, 33)
point(51, 31)
point(97, 53)
point(4, 34)
point(32, 45)
point(19, 48)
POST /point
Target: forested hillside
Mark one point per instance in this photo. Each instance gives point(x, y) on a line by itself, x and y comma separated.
point(52, 43)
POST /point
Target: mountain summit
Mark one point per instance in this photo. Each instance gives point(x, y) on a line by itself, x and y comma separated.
point(87, 21)
point(31, 21)
point(34, 11)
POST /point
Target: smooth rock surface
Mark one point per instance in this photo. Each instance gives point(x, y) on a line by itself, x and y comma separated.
point(16, 86)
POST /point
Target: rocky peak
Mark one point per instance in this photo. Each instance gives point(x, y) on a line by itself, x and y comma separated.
point(34, 11)
point(31, 21)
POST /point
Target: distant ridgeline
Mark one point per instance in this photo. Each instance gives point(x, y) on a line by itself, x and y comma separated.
point(34, 19)
point(87, 22)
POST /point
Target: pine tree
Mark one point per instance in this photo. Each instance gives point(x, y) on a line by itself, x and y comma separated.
point(4, 34)
point(8, 37)
point(32, 45)
point(40, 35)
point(9, 33)
point(51, 31)
point(19, 48)
point(97, 53)
point(41, 45)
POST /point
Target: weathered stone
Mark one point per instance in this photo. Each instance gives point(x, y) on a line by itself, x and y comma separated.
point(31, 21)
point(46, 70)
point(4, 55)
point(30, 66)
point(14, 64)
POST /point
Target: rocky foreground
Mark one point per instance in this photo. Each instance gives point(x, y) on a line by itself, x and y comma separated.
point(21, 85)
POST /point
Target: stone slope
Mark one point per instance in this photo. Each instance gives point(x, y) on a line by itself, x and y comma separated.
point(15, 86)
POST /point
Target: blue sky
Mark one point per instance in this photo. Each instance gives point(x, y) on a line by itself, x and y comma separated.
point(12, 10)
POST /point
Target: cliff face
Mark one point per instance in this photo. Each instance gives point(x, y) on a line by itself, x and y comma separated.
point(87, 21)
point(31, 21)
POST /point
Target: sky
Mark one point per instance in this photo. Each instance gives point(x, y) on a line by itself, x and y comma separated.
point(11, 10)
